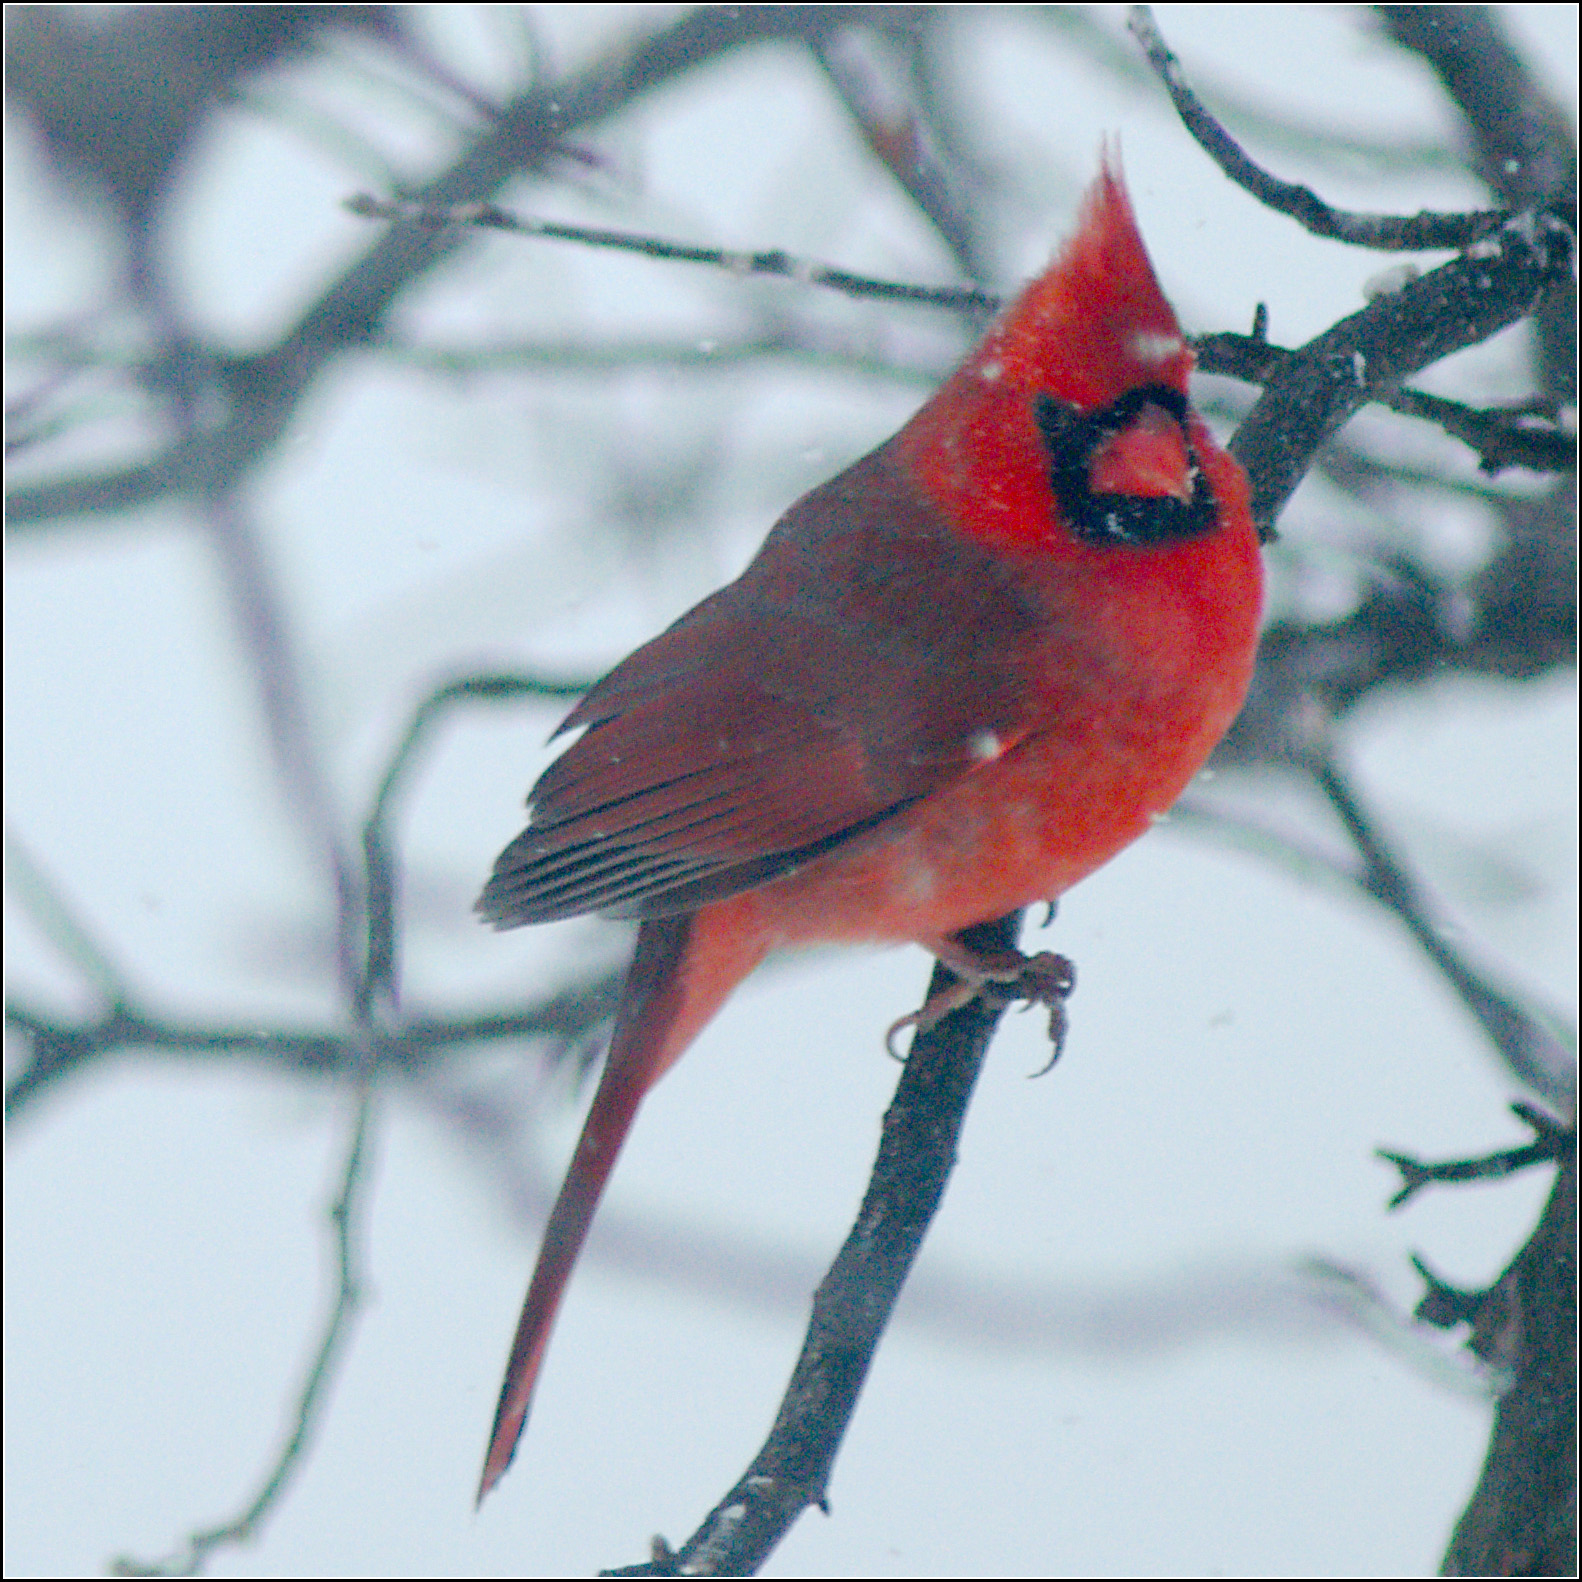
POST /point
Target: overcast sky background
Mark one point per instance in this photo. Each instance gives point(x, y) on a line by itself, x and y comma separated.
point(1109, 1362)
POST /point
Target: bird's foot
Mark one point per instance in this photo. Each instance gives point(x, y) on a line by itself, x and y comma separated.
point(998, 978)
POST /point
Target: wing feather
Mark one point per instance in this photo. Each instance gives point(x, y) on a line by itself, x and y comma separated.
point(862, 662)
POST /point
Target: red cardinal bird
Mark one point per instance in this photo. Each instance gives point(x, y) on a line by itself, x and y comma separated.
point(955, 680)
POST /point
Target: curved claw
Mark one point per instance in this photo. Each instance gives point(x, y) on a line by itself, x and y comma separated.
point(914, 1020)
point(934, 1010)
point(1045, 979)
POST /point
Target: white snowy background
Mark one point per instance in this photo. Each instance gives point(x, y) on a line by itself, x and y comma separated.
point(1109, 1362)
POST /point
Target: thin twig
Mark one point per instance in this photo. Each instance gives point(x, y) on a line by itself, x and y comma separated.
point(258, 612)
point(1533, 1054)
point(1551, 1142)
point(39, 896)
point(376, 980)
point(1387, 232)
point(346, 1225)
point(896, 127)
point(774, 263)
point(827, 354)
point(1502, 436)
point(60, 1048)
point(1528, 435)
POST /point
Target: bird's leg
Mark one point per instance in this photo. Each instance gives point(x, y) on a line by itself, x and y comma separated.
point(998, 977)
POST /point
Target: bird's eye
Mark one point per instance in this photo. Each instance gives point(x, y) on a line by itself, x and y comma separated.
point(1127, 473)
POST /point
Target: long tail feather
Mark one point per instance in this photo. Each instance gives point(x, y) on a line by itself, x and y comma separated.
point(680, 975)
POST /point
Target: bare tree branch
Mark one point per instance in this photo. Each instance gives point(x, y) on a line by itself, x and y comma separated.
point(775, 265)
point(1384, 231)
point(852, 1307)
point(346, 1217)
point(1368, 355)
point(1402, 629)
point(1533, 1054)
point(265, 390)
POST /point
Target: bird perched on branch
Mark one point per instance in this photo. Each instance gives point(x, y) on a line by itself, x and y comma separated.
point(955, 680)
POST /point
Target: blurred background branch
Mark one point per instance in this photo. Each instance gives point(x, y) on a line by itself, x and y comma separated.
point(140, 407)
